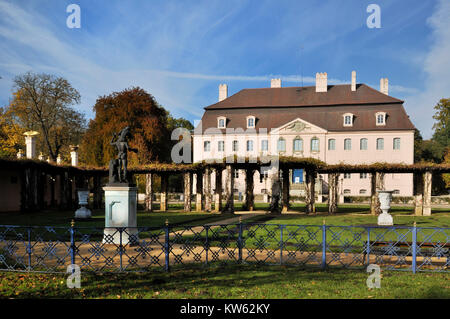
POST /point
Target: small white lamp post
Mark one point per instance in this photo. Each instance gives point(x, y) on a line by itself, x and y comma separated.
point(385, 219)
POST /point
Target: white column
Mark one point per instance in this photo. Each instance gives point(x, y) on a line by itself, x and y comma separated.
point(74, 154)
point(30, 141)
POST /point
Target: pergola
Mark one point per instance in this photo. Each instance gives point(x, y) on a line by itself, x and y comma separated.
point(37, 176)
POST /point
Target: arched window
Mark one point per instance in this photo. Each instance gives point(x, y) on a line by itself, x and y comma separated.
point(347, 144)
point(347, 191)
point(362, 191)
point(363, 144)
point(281, 145)
point(298, 145)
point(380, 143)
point(331, 144)
point(314, 144)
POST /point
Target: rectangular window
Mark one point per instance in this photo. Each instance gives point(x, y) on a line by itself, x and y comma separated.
point(348, 120)
point(207, 146)
point(235, 146)
point(221, 146)
point(363, 144)
point(281, 145)
point(347, 175)
point(221, 123)
point(347, 144)
point(331, 144)
point(249, 146)
point(362, 175)
point(380, 143)
point(264, 145)
point(396, 143)
point(236, 173)
point(298, 145)
point(315, 145)
point(250, 122)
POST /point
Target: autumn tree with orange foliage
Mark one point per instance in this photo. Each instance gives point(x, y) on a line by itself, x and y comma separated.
point(150, 127)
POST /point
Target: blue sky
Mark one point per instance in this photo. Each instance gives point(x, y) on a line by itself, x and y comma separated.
point(180, 51)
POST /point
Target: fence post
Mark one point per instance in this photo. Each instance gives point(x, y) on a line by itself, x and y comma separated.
point(414, 247)
point(240, 240)
point(368, 246)
point(72, 242)
point(120, 229)
point(166, 245)
point(29, 248)
point(324, 245)
point(206, 243)
point(281, 244)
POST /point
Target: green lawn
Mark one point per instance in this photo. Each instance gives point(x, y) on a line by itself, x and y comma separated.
point(240, 282)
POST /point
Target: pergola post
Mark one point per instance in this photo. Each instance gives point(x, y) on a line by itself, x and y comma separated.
point(427, 183)
point(249, 186)
point(218, 191)
point(208, 189)
point(163, 199)
point(187, 191)
point(285, 192)
point(199, 192)
point(98, 191)
point(229, 190)
point(62, 191)
point(418, 193)
point(310, 191)
point(333, 194)
point(376, 183)
point(149, 192)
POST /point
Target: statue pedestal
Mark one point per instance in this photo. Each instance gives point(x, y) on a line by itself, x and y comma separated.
point(120, 211)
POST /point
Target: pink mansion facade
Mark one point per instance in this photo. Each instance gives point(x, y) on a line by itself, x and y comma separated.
point(352, 124)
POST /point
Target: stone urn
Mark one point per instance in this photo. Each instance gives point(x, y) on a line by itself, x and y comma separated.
point(385, 219)
point(83, 198)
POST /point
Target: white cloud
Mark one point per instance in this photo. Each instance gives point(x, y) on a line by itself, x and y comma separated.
point(437, 67)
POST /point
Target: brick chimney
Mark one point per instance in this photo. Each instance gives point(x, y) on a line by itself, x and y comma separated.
point(321, 82)
point(353, 81)
point(275, 83)
point(223, 92)
point(384, 86)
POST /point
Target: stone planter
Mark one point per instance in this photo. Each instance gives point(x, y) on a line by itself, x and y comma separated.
point(83, 200)
point(385, 219)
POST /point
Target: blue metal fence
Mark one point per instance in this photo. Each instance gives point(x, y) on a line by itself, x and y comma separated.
point(52, 249)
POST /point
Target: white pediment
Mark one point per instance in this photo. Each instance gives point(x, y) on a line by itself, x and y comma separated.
point(298, 126)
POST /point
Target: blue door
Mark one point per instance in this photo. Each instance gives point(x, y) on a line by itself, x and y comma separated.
point(297, 176)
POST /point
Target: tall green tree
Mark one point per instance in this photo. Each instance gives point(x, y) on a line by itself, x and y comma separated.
point(442, 126)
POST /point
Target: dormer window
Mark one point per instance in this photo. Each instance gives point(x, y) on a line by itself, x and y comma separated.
point(380, 118)
point(221, 122)
point(348, 119)
point(251, 122)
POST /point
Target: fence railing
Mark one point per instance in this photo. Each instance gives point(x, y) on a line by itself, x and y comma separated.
point(52, 249)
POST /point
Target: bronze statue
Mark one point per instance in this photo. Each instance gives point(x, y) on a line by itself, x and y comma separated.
point(118, 167)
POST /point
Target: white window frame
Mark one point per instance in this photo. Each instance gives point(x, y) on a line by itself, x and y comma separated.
point(334, 144)
point(266, 143)
point(311, 144)
point(382, 144)
point(399, 143)
point(254, 121)
point(384, 118)
point(349, 140)
point(205, 143)
point(360, 144)
point(233, 143)
point(351, 119)
point(297, 138)
point(248, 143)
point(223, 146)
point(224, 122)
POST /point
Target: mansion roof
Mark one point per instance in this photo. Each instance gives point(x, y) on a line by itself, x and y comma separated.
point(274, 107)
